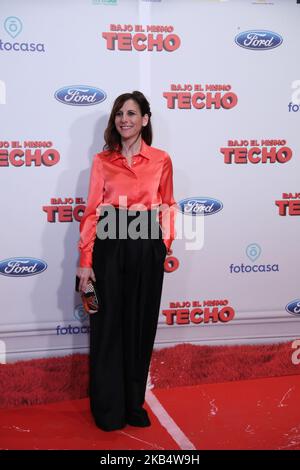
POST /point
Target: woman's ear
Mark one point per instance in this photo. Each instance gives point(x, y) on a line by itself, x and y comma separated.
point(145, 120)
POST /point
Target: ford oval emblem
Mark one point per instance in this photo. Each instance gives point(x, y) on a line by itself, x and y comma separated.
point(200, 206)
point(21, 267)
point(293, 307)
point(80, 95)
point(258, 40)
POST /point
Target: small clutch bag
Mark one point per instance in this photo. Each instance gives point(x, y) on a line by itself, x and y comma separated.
point(89, 297)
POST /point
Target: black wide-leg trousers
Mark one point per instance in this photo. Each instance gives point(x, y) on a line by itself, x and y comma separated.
point(129, 277)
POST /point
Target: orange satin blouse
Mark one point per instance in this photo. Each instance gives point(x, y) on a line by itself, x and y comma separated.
point(147, 183)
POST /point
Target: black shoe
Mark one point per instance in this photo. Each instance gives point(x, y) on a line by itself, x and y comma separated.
point(110, 428)
point(138, 418)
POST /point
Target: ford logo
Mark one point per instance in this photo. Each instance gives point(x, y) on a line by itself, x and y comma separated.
point(294, 307)
point(200, 206)
point(19, 267)
point(258, 40)
point(79, 95)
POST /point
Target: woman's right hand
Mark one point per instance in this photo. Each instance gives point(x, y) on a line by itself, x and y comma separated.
point(84, 275)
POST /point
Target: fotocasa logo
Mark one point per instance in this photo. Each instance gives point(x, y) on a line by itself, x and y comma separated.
point(80, 314)
point(13, 26)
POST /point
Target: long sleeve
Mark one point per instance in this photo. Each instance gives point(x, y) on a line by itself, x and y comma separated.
point(168, 208)
point(89, 219)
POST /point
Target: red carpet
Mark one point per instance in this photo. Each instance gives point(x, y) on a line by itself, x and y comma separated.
point(55, 379)
point(69, 425)
point(187, 364)
point(250, 414)
point(44, 380)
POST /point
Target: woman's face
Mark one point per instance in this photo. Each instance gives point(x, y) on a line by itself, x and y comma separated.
point(129, 121)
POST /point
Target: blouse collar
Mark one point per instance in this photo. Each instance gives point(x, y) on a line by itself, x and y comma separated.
point(145, 151)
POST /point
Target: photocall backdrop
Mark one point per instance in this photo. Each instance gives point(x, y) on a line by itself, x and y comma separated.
point(223, 81)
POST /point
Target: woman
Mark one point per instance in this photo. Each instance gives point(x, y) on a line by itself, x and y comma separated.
point(130, 181)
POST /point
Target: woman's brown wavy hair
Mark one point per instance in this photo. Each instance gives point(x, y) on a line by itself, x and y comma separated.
point(111, 135)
